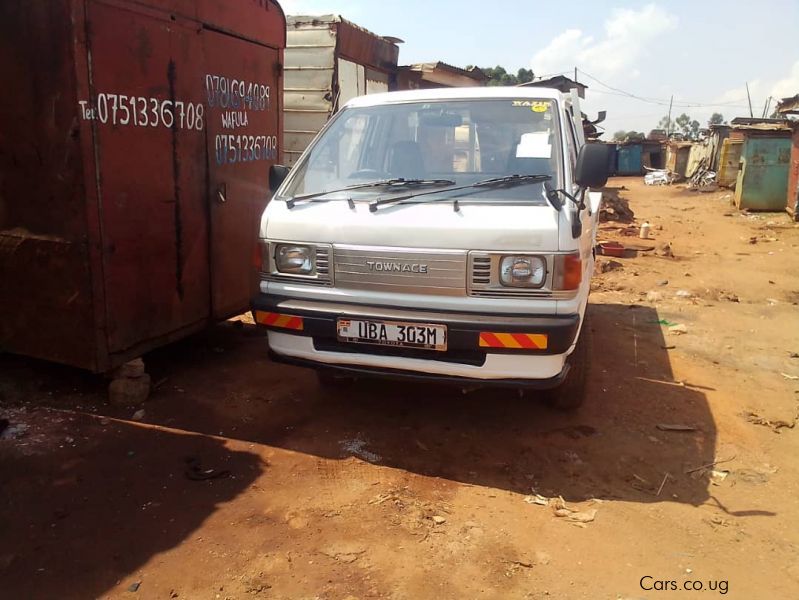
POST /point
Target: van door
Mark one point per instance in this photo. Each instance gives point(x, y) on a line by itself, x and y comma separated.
point(242, 87)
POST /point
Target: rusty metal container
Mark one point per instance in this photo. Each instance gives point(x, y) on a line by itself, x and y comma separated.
point(137, 138)
point(329, 60)
point(677, 155)
point(763, 177)
point(729, 161)
point(629, 158)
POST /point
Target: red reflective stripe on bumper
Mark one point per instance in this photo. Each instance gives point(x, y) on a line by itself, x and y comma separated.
point(277, 320)
point(517, 341)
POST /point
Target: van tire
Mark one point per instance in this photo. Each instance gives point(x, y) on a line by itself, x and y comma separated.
point(570, 395)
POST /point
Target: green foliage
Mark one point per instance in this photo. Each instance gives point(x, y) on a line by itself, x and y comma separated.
point(716, 119)
point(621, 135)
point(684, 124)
point(499, 76)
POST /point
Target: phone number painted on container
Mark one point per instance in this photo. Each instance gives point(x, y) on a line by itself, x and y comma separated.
point(231, 149)
point(119, 109)
point(234, 93)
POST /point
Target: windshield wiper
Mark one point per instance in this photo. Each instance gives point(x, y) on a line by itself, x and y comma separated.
point(396, 182)
point(507, 181)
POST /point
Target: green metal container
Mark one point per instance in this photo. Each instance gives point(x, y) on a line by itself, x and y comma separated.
point(763, 177)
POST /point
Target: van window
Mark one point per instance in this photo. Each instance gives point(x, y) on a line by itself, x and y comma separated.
point(464, 140)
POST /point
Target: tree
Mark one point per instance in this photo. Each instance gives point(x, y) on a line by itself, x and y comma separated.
point(524, 75)
point(665, 123)
point(688, 127)
point(716, 119)
point(499, 76)
point(621, 135)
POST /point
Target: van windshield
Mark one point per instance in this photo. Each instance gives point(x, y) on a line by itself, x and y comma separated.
point(464, 141)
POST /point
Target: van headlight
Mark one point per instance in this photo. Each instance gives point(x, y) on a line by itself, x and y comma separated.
point(294, 259)
point(522, 271)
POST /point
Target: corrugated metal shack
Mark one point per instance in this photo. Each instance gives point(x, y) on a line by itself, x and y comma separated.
point(558, 82)
point(790, 106)
point(729, 161)
point(423, 76)
point(762, 181)
point(677, 155)
point(329, 60)
point(139, 136)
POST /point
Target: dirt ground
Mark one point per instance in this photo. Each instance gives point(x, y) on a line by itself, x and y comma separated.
point(416, 491)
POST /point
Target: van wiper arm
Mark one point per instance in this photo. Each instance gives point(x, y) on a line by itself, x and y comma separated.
point(508, 181)
point(396, 182)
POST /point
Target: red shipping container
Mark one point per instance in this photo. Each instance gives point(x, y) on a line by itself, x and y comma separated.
point(136, 143)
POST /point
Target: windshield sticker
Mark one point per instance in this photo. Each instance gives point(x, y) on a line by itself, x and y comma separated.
point(538, 106)
point(534, 145)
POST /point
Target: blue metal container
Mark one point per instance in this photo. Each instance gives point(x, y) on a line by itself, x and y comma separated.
point(629, 159)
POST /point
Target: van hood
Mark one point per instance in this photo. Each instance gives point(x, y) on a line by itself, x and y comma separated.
point(483, 226)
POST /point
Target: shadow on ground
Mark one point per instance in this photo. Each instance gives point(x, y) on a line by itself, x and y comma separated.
point(76, 521)
point(91, 516)
point(612, 448)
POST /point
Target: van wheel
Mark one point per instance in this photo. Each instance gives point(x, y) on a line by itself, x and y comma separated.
point(329, 380)
point(571, 394)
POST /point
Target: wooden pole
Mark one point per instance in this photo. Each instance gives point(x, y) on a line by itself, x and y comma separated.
point(751, 114)
point(668, 119)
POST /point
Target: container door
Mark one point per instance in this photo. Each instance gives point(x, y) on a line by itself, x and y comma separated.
point(351, 81)
point(763, 178)
point(145, 107)
point(242, 119)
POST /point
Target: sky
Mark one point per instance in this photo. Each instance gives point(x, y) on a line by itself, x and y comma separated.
point(633, 55)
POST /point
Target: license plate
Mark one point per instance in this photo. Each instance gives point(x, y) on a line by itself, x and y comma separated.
point(393, 333)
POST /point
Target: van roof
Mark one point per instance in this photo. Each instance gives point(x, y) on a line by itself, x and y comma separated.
point(459, 93)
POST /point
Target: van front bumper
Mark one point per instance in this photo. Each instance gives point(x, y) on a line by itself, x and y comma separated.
point(465, 362)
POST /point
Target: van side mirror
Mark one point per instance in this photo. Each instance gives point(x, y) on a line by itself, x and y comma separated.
point(277, 175)
point(592, 165)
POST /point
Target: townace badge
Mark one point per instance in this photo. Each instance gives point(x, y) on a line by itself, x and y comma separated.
point(396, 267)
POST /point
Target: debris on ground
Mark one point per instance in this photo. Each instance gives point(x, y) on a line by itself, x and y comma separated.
point(606, 266)
point(357, 447)
point(614, 207)
point(537, 499)
point(664, 322)
point(790, 377)
point(438, 519)
point(703, 468)
point(717, 477)
point(13, 432)
point(196, 472)
point(662, 483)
point(611, 248)
point(134, 587)
point(346, 553)
point(678, 329)
point(129, 392)
point(562, 510)
point(684, 294)
point(675, 427)
point(138, 415)
point(730, 297)
point(653, 296)
point(664, 250)
point(660, 177)
point(775, 425)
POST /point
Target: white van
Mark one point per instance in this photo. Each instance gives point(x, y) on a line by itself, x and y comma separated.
point(444, 235)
